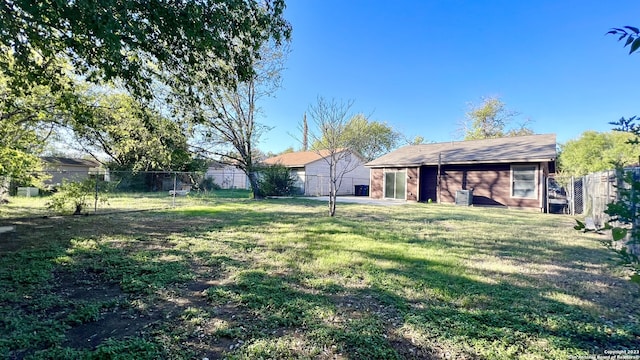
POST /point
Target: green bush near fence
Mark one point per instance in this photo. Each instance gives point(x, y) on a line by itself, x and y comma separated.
point(276, 180)
point(76, 195)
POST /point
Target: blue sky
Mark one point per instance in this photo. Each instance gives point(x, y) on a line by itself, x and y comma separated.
point(416, 65)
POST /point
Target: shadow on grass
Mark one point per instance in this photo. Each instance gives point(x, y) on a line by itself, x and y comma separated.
point(392, 301)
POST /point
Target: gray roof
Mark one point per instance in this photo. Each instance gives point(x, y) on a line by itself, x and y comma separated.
point(531, 148)
point(60, 161)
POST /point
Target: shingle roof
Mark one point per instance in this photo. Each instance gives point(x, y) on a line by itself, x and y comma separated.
point(56, 160)
point(296, 159)
point(531, 148)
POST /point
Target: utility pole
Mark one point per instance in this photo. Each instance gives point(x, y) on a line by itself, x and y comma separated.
point(305, 133)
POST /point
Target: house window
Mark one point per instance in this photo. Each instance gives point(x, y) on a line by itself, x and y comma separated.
point(523, 181)
point(395, 184)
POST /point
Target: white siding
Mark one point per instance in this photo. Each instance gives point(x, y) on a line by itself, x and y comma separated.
point(317, 176)
point(228, 177)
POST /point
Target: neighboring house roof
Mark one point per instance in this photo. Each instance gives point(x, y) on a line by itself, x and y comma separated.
point(214, 164)
point(298, 159)
point(531, 148)
point(63, 161)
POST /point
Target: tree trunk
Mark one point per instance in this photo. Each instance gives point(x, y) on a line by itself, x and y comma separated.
point(333, 191)
point(332, 203)
point(4, 189)
point(255, 185)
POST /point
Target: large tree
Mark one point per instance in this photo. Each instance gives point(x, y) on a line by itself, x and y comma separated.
point(596, 151)
point(132, 136)
point(27, 119)
point(228, 116)
point(491, 119)
point(137, 41)
point(134, 44)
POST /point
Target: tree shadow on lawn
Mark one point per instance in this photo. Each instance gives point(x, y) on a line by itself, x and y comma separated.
point(522, 310)
point(275, 310)
point(418, 308)
point(500, 310)
point(378, 323)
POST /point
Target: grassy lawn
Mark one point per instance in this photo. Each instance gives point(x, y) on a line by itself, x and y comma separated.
point(241, 279)
point(20, 207)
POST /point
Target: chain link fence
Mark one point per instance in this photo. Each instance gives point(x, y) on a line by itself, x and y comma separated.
point(106, 191)
point(116, 191)
point(589, 196)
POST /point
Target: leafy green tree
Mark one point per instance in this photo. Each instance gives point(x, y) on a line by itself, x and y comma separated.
point(597, 151)
point(491, 119)
point(136, 41)
point(371, 139)
point(133, 136)
point(417, 140)
point(27, 120)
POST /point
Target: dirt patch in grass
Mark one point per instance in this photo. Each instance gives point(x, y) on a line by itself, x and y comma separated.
point(118, 324)
point(85, 285)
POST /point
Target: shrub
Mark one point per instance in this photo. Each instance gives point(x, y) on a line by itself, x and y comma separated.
point(208, 184)
point(77, 194)
point(276, 180)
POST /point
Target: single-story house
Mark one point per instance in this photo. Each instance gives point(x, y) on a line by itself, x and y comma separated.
point(227, 176)
point(72, 169)
point(311, 170)
point(508, 171)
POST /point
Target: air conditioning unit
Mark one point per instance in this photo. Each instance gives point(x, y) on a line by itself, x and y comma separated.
point(464, 197)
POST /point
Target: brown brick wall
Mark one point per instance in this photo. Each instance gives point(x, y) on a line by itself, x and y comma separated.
point(377, 183)
point(412, 184)
point(491, 185)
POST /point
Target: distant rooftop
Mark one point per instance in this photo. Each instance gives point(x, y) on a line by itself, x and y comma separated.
point(297, 159)
point(56, 160)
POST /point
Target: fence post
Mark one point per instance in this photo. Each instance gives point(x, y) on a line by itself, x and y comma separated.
point(547, 179)
point(175, 181)
point(608, 187)
point(95, 197)
point(584, 194)
point(573, 196)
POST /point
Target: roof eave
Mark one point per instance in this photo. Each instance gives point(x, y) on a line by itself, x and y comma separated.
point(471, 162)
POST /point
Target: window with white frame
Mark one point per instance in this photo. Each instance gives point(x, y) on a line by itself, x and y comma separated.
point(523, 181)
